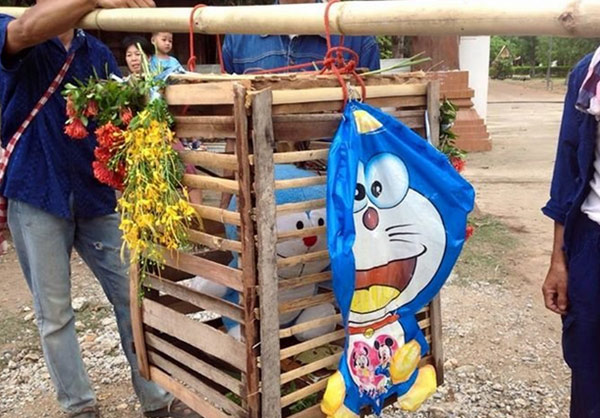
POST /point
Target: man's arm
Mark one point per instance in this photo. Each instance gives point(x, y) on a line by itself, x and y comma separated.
point(555, 285)
point(50, 18)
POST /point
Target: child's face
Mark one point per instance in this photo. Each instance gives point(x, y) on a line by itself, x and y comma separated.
point(163, 42)
point(133, 59)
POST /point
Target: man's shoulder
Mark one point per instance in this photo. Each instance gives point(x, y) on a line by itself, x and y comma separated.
point(95, 43)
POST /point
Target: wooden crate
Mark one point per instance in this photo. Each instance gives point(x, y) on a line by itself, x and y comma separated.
point(265, 120)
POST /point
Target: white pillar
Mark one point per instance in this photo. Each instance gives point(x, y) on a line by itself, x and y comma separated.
point(474, 53)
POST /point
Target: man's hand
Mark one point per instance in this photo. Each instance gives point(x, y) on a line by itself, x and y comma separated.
point(115, 4)
point(555, 288)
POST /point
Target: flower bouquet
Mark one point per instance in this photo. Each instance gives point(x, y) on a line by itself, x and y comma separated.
point(134, 155)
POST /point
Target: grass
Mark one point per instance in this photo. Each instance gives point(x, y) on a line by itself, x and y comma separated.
point(483, 255)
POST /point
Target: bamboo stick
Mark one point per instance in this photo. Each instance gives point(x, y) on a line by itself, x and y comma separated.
point(303, 303)
point(303, 393)
point(306, 232)
point(209, 159)
point(325, 94)
point(315, 342)
point(311, 367)
point(297, 156)
point(218, 215)
point(288, 332)
point(301, 206)
point(304, 280)
point(206, 182)
point(408, 17)
point(301, 182)
point(303, 258)
point(214, 242)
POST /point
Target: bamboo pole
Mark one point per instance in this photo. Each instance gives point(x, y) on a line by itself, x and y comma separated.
point(407, 17)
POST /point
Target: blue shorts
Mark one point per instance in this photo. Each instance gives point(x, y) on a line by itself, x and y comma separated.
point(581, 324)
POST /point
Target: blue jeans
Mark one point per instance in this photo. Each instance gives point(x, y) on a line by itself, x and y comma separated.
point(44, 244)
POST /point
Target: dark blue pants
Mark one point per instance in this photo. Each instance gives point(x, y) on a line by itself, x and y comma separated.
point(581, 325)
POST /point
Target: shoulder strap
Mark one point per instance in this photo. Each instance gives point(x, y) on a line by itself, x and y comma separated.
point(12, 143)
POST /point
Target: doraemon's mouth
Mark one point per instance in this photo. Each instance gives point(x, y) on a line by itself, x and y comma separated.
point(376, 288)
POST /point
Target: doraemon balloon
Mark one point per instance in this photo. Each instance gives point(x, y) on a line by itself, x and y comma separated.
point(396, 221)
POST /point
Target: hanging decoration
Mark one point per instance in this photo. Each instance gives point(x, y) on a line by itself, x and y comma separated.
point(396, 220)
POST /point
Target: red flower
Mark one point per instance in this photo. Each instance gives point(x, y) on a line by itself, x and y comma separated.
point(102, 154)
point(108, 135)
point(106, 176)
point(126, 115)
point(458, 163)
point(469, 232)
point(91, 109)
point(71, 112)
point(76, 130)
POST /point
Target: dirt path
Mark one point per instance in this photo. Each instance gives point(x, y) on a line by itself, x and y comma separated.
point(502, 346)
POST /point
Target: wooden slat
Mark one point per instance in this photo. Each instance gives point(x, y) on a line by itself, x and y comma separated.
point(424, 323)
point(312, 412)
point(200, 94)
point(302, 258)
point(301, 182)
point(209, 159)
point(137, 319)
point(303, 393)
point(301, 206)
point(208, 302)
point(196, 181)
point(204, 127)
point(303, 303)
point(315, 342)
point(433, 111)
point(214, 242)
point(181, 392)
point(304, 326)
point(311, 367)
point(297, 156)
point(437, 349)
point(199, 266)
point(335, 93)
point(264, 143)
point(194, 363)
point(197, 385)
point(306, 127)
point(248, 259)
point(195, 333)
point(217, 214)
point(304, 280)
point(306, 232)
point(336, 106)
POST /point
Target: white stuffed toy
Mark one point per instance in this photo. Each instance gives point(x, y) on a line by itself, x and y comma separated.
point(288, 248)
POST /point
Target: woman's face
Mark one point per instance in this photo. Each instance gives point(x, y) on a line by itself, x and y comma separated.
point(133, 59)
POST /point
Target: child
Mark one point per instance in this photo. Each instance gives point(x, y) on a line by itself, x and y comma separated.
point(161, 61)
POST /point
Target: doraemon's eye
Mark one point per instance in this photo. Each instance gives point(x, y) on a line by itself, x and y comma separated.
point(360, 193)
point(386, 180)
point(317, 217)
point(299, 225)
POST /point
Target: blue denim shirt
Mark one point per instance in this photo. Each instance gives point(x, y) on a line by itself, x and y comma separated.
point(574, 165)
point(47, 167)
point(248, 53)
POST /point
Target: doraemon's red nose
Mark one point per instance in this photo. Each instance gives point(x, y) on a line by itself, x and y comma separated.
point(310, 241)
point(371, 219)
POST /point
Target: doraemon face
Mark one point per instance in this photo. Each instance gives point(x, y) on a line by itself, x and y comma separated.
point(400, 239)
point(298, 246)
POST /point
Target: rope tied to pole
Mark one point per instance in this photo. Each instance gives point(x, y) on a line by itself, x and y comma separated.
point(191, 63)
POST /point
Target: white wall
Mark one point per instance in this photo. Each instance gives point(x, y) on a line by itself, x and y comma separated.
point(474, 52)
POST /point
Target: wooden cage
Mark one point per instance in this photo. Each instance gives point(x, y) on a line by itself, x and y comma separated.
point(264, 120)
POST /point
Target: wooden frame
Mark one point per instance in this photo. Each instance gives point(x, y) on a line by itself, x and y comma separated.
point(180, 341)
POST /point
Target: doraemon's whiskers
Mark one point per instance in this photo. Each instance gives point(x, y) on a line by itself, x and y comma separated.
point(397, 226)
point(401, 240)
point(403, 233)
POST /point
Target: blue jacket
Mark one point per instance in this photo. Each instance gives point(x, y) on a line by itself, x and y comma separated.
point(248, 53)
point(47, 167)
point(574, 166)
